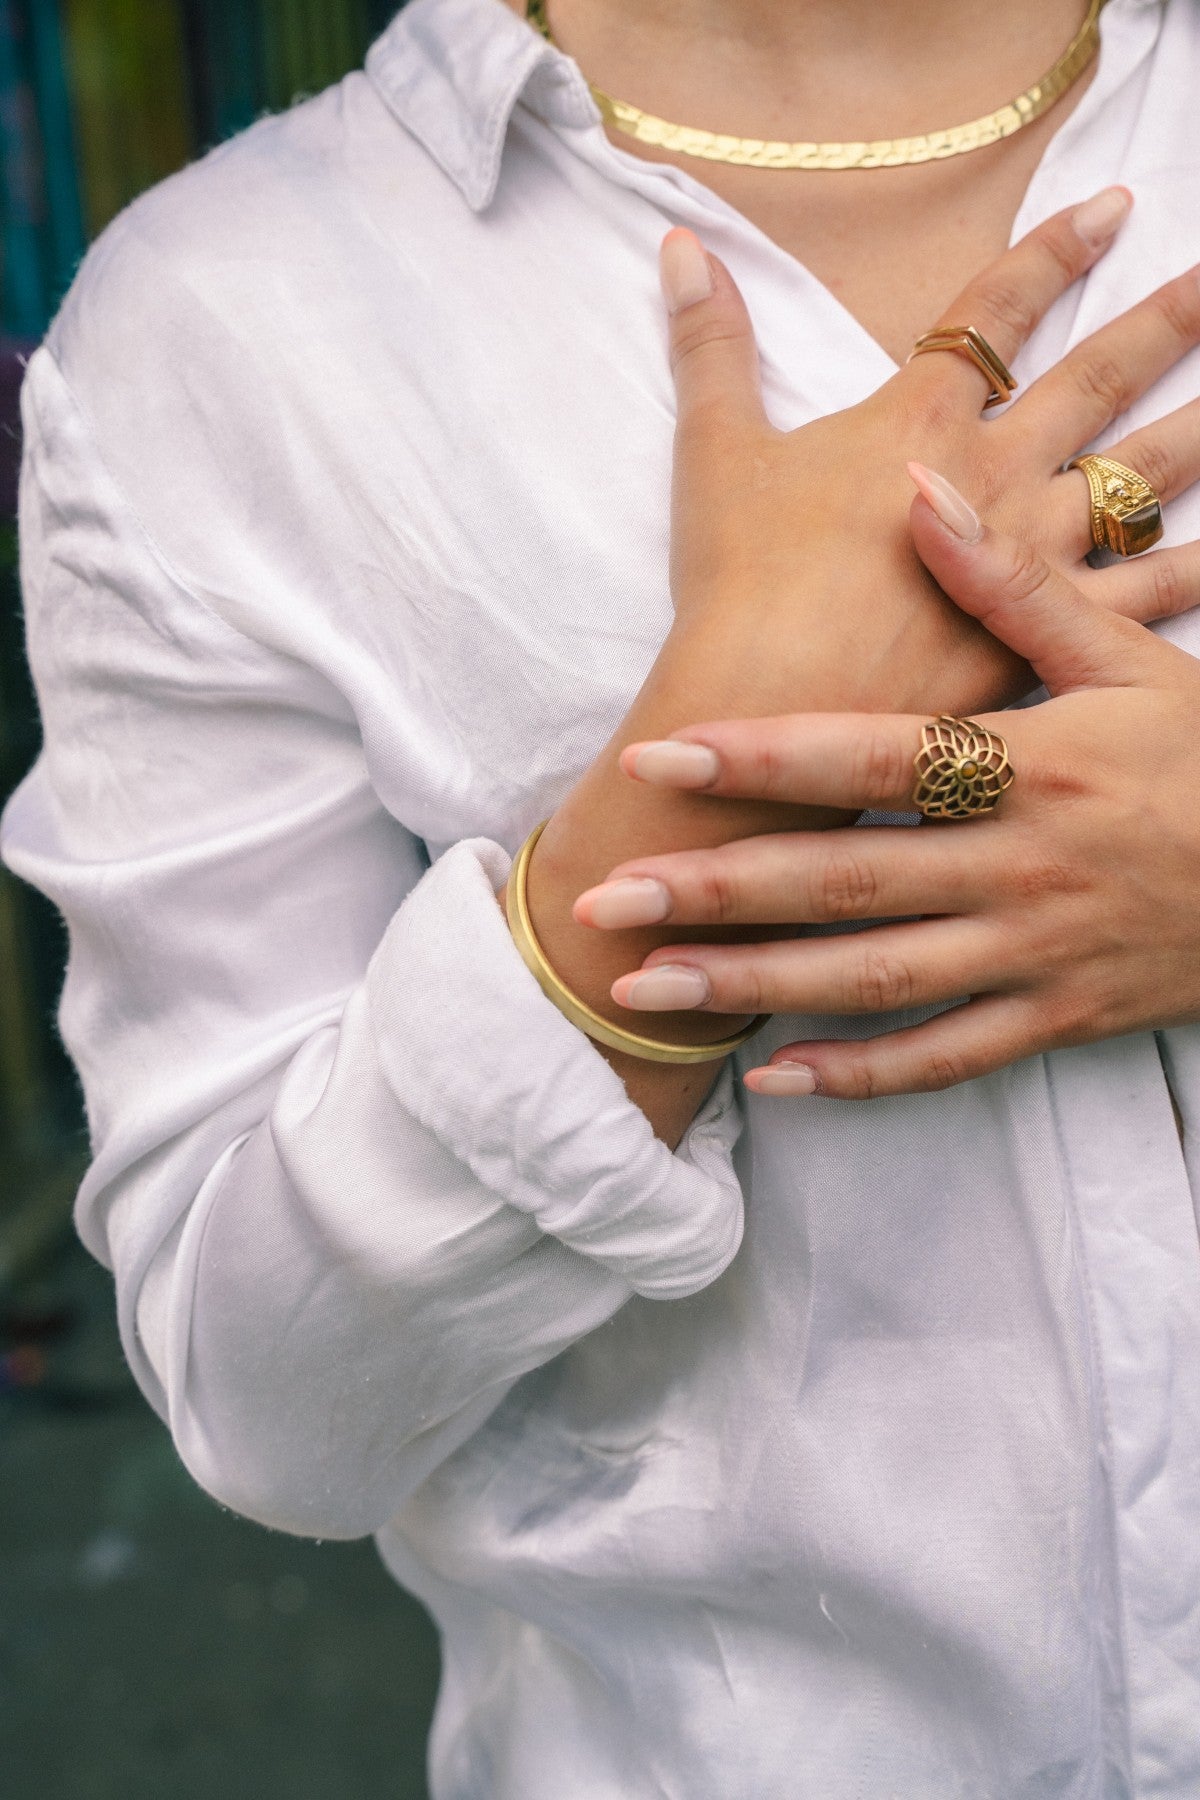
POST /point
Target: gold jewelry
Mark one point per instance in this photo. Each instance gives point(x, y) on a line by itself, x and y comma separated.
point(516, 906)
point(885, 153)
point(972, 343)
point(962, 769)
point(1126, 515)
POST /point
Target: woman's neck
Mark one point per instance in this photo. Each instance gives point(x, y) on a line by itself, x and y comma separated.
point(814, 69)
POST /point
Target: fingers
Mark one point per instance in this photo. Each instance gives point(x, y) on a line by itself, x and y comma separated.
point(884, 970)
point(1015, 292)
point(1158, 586)
point(849, 761)
point(1167, 453)
point(714, 357)
point(797, 878)
point(1015, 594)
point(1100, 379)
point(960, 1045)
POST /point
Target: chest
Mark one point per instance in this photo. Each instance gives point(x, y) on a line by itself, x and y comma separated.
point(513, 575)
point(894, 246)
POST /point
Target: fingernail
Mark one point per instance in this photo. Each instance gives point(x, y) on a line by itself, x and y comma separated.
point(683, 268)
point(672, 764)
point(629, 900)
point(783, 1078)
point(1101, 217)
point(667, 988)
point(947, 503)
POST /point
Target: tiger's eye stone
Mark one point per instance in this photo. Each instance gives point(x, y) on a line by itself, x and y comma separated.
point(1135, 531)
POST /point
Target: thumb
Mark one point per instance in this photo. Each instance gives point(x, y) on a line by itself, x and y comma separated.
point(1020, 599)
point(714, 357)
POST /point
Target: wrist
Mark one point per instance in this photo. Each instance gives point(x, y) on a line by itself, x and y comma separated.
point(716, 665)
point(759, 661)
point(619, 1037)
point(608, 818)
point(580, 843)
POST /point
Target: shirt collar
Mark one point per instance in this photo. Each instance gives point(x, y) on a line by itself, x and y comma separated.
point(453, 70)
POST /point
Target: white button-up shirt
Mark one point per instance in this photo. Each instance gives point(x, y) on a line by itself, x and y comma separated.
point(847, 1450)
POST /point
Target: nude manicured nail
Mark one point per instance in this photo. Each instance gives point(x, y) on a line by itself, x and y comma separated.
point(947, 503)
point(1101, 217)
point(668, 987)
point(784, 1078)
point(683, 268)
point(629, 900)
point(671, 764)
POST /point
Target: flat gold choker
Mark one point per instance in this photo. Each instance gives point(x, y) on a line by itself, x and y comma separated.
point(886, 153)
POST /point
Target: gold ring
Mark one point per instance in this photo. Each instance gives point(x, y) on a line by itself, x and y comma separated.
point(972, 343)
point(1126, 515)
point(962, 769)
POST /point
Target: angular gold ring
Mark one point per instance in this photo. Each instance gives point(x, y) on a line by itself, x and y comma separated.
point(1126, 515)
point(962, 769)
point(969, 342)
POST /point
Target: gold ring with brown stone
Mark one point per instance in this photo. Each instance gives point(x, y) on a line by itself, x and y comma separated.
point(1126, 517)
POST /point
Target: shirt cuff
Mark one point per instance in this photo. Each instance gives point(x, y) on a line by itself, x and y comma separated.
point(474, 1050)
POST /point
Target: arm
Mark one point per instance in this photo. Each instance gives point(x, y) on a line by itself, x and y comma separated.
point(342, 1215)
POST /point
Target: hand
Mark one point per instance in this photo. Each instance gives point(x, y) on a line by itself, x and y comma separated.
point(1070, 913)
point(798, 540)
point(850, 616)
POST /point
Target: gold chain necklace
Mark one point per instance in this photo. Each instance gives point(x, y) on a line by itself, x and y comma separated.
point(885, 153)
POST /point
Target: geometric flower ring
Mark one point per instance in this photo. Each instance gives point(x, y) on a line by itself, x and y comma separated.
point(961, 769)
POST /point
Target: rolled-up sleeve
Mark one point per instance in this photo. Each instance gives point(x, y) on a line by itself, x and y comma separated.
point(353, 1172)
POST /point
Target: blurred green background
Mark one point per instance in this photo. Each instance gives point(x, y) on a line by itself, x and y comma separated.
point(151, 1644)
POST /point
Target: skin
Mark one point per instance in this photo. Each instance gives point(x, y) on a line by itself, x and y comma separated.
point(875, 630)
point(1071, 914)
point(895, 245)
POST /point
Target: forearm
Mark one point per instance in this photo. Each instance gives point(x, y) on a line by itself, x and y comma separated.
point(606, 819)
point(329, 1280)
point(333, 1340)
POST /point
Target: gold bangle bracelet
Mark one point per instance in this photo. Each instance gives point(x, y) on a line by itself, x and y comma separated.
point(516, 908)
